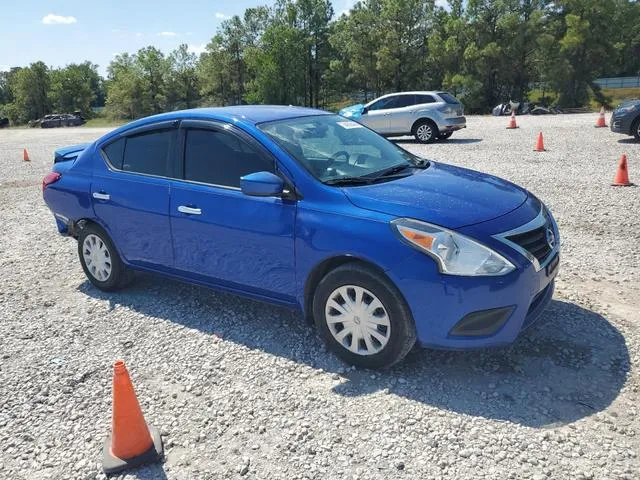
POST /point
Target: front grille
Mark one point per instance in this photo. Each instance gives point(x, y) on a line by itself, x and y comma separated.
point(534, 241)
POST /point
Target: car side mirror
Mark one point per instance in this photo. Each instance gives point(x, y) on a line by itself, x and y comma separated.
point(262, 184)
point(364, 111)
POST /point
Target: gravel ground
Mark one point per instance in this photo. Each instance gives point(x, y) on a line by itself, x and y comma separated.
point(240, 389)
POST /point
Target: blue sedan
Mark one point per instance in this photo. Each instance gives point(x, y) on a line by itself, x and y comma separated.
point(299, 207)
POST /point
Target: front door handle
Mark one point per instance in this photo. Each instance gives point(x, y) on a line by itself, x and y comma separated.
point(101, 195)
point(189, 210)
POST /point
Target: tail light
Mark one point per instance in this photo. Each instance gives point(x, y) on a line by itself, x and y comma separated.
point(51, 177)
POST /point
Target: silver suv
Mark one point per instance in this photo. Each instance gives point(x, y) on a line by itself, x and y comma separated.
point(425, 115)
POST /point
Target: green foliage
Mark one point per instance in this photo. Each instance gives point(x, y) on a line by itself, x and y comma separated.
point(75, 88)
point(298, 52)
point(28, 88)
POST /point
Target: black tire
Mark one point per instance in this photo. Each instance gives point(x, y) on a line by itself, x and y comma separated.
point(635, 129)
point(119, 276)
point(444, 136)
point(402, 333)
point(425, 131)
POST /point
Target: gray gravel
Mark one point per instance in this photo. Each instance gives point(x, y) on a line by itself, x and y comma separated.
point(240, 389)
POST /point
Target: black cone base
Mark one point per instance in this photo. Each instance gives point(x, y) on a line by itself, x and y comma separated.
point(111, 464)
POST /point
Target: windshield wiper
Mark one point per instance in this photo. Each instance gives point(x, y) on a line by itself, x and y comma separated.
point(391, 171)
point(348, 181)
point(420, 163)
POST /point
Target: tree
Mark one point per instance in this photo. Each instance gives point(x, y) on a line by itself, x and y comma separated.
point(313, 17)
point(73, 88)
point(183, 81)
point(295, 52)
point(125, 88)
point(29, 88)
point(582, 50)
point(154, 70)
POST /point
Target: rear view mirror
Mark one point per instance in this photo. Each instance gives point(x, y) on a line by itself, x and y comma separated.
point(262, 184)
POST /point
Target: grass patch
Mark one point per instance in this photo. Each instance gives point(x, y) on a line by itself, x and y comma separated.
point(614, 96)
point(103, 122)
point(619, 95)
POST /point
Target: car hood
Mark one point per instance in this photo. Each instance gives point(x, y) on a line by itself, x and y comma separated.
point(354, 111)
point(627, 104)
point(444, 195)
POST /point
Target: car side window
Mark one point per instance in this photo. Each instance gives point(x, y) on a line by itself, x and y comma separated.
point(420, 99)
point(115, 152)
point(405, 101)
point(148, 152)
point(219, 157)
point(384, 103)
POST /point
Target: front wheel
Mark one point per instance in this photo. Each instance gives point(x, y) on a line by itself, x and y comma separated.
point(425, 131)
point(100, 260)
point(362, 317)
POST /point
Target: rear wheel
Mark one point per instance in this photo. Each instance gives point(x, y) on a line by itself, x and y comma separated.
point(425, 131)
point(636, 129)
point(362, 317)
point(100, 260)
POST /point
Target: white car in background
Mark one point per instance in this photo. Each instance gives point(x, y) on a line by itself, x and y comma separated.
point(427, 116)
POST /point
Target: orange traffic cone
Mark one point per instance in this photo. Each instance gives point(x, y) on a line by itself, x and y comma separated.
point(512, 121)
point(131, 442)
point(25, 155)
point(622, 175)
point(600, 122)
point(539, 144)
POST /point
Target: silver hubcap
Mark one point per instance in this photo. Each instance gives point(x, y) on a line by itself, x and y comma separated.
point(357, 320)
point(424, 132)
point(96, 257)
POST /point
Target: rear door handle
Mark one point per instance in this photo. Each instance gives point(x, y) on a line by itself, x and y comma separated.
point(189, 210)
point(101, 195)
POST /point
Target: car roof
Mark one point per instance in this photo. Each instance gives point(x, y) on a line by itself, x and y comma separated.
point(251, 114)
point(417, 92)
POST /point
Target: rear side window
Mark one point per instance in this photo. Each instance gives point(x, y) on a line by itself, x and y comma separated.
point(448, 98)
point(405, 101)
point(420, 99)
point(148, 152)
point(220, 158)
point(115, 153)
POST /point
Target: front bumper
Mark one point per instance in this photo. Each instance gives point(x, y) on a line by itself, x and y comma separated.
point(454, 312)
point(438, 308)
point(621, 124)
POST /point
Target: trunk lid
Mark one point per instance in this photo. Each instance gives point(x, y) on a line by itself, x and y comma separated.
point(70, 152)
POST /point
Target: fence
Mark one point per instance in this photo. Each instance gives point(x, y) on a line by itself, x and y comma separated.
point(621, 82)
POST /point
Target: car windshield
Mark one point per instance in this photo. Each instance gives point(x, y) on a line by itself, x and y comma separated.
point(333, 148)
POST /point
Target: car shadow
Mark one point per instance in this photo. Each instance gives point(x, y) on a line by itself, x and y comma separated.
point(459, 141)
point(630, 140)
point(570, 364)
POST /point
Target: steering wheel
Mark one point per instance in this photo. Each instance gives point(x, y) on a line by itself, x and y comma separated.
point(335, 156)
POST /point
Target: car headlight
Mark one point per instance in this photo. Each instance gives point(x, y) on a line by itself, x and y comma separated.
point(455, 254)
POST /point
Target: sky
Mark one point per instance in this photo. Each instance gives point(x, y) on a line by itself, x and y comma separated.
point(60, 32)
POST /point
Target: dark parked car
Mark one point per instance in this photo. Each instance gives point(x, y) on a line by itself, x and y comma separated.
point(4, 122)
point(60, 120)
point(626, 119)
